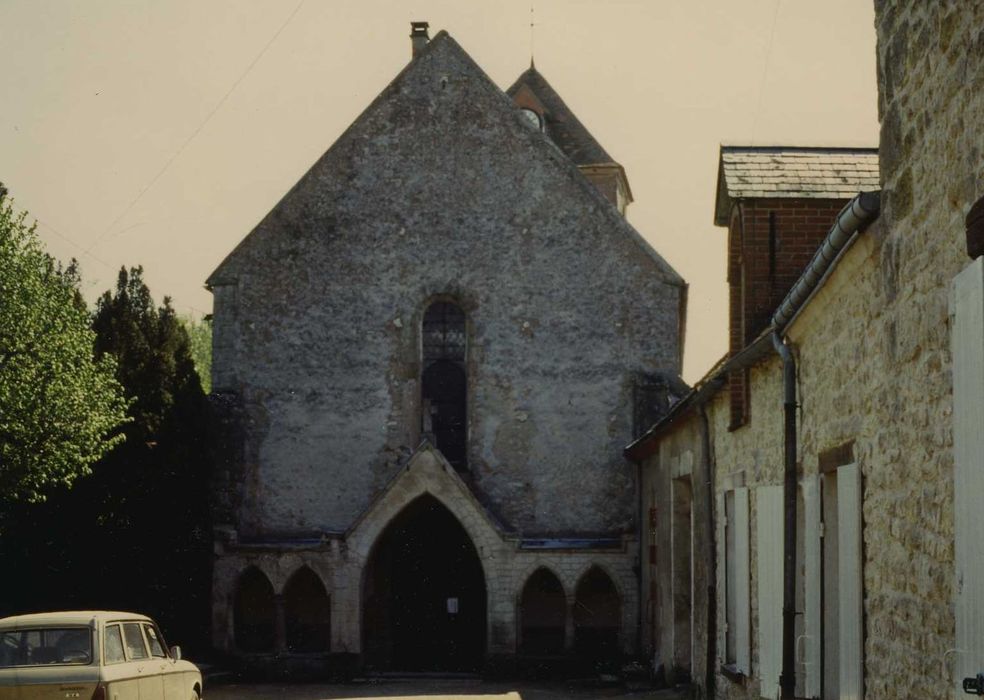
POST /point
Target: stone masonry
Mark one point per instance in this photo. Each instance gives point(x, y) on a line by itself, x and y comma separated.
point(442, 190)
point(874, 373)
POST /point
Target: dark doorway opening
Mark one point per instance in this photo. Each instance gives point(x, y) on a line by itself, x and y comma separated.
point(253, 612)
point(424, 597)
point(307, 612)
point(597, 617)
point(543, 614)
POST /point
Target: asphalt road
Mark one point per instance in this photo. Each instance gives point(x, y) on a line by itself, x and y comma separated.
point(429, 689)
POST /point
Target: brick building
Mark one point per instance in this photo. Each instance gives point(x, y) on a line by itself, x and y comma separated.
point(828, 544)
point(427, 359)
point(777, 204)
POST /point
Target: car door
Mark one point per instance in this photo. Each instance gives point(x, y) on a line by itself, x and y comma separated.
point(150, 681)
point(119, 674)
point(162, 664)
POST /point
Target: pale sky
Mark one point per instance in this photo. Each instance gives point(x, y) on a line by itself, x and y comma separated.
point(159, 133)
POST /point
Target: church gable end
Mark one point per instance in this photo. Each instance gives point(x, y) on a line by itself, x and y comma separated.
point(442, 190)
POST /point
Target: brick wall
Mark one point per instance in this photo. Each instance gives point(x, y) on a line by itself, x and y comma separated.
point(770, 242)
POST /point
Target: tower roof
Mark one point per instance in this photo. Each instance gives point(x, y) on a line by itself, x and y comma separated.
point(562, 126)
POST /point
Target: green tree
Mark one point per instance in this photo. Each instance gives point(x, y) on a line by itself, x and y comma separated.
point(60, 408)
point(200, 335)
point(141, 519)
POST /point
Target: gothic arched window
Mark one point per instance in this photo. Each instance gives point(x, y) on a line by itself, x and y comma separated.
point(443, 382)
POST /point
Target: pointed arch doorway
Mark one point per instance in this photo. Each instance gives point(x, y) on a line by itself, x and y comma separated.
point(424, 596)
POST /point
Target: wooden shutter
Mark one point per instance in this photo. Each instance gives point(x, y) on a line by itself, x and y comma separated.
point(811, 646)
point(849, 564)
point(722, 595)
point(968, 470)
point(769, 558)
point(743, 643)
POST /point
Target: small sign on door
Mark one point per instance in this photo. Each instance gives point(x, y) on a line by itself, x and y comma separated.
point(452, 606)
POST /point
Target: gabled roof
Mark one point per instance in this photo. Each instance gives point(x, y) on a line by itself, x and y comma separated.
point(563, 128)
point(746, 172)
point(402, 99)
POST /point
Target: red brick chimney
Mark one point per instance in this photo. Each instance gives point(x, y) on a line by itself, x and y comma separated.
point(778, 204)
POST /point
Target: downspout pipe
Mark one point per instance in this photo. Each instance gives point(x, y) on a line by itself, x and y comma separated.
point(710, 672)
point(853, 218)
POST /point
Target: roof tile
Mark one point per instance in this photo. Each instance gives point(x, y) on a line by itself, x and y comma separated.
point(798, 172)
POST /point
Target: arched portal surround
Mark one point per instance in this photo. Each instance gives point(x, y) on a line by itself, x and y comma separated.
point(340, 563)
point(424, 581)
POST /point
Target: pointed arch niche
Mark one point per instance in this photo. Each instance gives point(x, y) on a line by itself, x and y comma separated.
point(543, 615)
point(444, 382)
point(597, 616)
point(253, 612)
point(424, 598)
point(307, 613)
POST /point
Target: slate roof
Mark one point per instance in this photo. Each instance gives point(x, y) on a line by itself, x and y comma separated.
point(746, 172)
point(563, 128)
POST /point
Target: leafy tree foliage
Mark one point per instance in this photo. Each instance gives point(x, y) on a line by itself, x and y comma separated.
point(59, 407)
point(135, 534)
point(200, 334)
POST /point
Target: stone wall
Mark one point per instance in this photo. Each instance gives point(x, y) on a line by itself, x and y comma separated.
point(874, 360)
point(340, 561)
point(441, 190)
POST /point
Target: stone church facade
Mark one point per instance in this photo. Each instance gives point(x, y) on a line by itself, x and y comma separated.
point(427, 359)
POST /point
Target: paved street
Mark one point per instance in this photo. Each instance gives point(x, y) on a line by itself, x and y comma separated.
point(432, 689)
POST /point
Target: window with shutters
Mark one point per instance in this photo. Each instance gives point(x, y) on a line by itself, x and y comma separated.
point(681, 542)
point(968, 469)
point(737, 641)
point(833, 641)
point(769, 562)
point(444, 383)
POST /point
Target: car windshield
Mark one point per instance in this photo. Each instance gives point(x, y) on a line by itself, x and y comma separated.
point(44, 646)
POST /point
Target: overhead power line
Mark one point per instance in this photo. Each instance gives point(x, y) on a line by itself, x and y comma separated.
point(197, 131)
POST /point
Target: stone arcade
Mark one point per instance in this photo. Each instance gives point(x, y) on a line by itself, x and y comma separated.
point(427, 360)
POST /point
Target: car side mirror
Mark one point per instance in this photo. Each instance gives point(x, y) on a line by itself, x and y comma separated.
point(176, 653)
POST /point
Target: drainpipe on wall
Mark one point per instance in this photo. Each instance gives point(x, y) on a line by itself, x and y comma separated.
point(710, 672)
point(853, 218)
point(787, 678)
point(640, 561)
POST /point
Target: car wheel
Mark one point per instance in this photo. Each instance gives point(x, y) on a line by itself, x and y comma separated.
point(195, 695)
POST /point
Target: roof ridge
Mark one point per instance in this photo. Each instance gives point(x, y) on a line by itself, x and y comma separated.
point(562, 125)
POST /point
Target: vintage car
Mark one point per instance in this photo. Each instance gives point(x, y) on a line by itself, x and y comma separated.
point(91, 655)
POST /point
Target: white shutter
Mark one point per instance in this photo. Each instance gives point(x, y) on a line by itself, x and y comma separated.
point(811, 646)
point(769, 556)
point(721, 568)
point(968, 468)
point(849, 566)
point(743, 645)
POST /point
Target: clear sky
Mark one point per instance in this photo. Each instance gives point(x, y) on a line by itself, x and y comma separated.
point(159, 133)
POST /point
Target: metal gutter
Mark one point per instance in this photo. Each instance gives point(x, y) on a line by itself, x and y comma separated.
point(853, 218)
